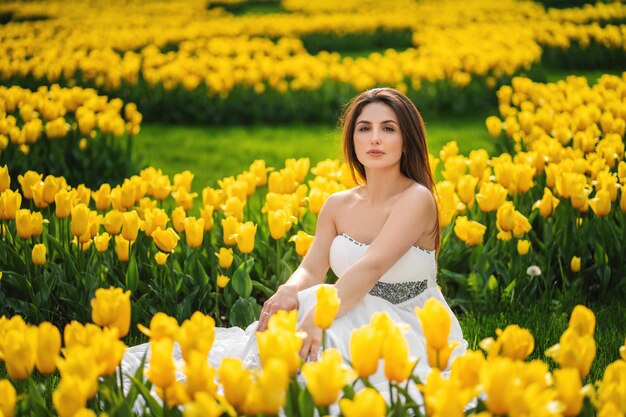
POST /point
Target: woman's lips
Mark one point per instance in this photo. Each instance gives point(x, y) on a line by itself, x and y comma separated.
point(375, 153)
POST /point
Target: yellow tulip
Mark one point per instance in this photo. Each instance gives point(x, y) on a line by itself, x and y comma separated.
point(279, 222)
point(225, 257)
point(513, 342)
point(260, 171)
point(79, 361)
point(582, 320)
point(230, 228)
point(436, 322)
point(27, 180)
point(235, 380)
point(8, 397)
point(622, 351)
point(622, 201)
point(102, 242)
point(523, 246)
point(162, 370)
point(203, 405)
point(250, 179)
point(212, 197)
point(601, 203)
point(111, 308)
point(222, 281)
point(303, 242)
point(113, 221)
point(38, 198)
point(207, 214)
point(130, 225)
point(183, 179)
point(161, 258)
point(469, 231)
point(505, 217)
point(366, 403)
point(85, 412)
point(449, 149)
point(80, 219)
point(69, 396)
point(39, 254)
point(84, 194)
point(491, 196)
point(48, 348)
point(194, 231)
point(5, 178)
point(267, 394)
point(183, 198)
point(466, 186)
point(234, 207)
point(497, 378)
point(197, 334)
point(153, 219)
point(574, 351)
point(122, 248)
point(107, 350)
point(494, 126)
point(575, 264)
point(569, 390)
point(37, 222)
point(76, 334)
point(102, 197)
point(327, 306)
point(398, 364)
point(245, 237)
point(161, 187)
point(282, 344)
point(326, 378)
point(547, 204)
point(300, 166)
point(366, 345)
point(467, 368)
point(200, 376)
point(162, 326)
point(439, 358)
point(316, 200)
point(10, 202)
point(23, 223)
point(19, 348)
point(166, 240)
point(178, 219)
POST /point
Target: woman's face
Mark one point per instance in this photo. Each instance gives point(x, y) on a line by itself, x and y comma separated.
point(377, 137)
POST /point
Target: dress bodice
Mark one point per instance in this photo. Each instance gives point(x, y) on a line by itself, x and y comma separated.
point(408, 277)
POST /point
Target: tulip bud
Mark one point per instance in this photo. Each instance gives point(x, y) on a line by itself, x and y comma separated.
point(102, 242)
point(194, 231)
point(327, 306)
point(222, 281)
point(48, 348)
point(575, 264)
point(245, 237)
point(161, 258)
point(39, 254)
point(522, 247)
point(225, 257)
point(80, 219)
point(8, 397)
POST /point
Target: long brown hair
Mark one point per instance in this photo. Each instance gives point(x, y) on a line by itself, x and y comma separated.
point(414, 162)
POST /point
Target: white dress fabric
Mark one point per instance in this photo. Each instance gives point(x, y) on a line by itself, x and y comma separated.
point(406, 285)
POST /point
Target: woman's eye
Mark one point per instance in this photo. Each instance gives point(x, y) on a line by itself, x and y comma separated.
point(363, 129)
point(389, 129)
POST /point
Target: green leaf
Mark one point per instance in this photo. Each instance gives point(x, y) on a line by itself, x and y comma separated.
point(262, 288)
point(241, 282)
point(241, 313)
point(132, 275)
point(155, 408)
point(204, 278)
point(305, 403)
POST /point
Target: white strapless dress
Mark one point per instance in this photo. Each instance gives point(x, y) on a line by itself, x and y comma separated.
point(406, 285)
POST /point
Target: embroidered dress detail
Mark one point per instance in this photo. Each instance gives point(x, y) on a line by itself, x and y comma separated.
point(398, 292)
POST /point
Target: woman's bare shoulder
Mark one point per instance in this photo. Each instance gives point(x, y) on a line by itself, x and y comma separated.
point(341, 199)
point(416, 195)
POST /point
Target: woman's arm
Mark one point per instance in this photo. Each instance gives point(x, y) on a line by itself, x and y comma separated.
point(311, 270)
point(411, 217)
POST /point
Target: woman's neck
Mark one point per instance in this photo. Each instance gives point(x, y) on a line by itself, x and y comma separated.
point(381, 186)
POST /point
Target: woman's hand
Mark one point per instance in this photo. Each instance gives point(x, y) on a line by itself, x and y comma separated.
point(312, 344)
point(285, 298)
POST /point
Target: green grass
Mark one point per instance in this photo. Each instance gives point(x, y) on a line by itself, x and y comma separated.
point(547, 320)
point(212, 153)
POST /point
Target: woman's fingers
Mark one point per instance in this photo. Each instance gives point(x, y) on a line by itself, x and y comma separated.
point(315, 350)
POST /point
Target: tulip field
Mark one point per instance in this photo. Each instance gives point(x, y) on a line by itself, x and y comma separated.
point(104, 245)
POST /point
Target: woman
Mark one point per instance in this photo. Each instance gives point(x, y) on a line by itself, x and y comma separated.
point(380, 238)
point(394, 211)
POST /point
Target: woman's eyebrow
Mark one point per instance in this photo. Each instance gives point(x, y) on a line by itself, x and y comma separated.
point(384, 121)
